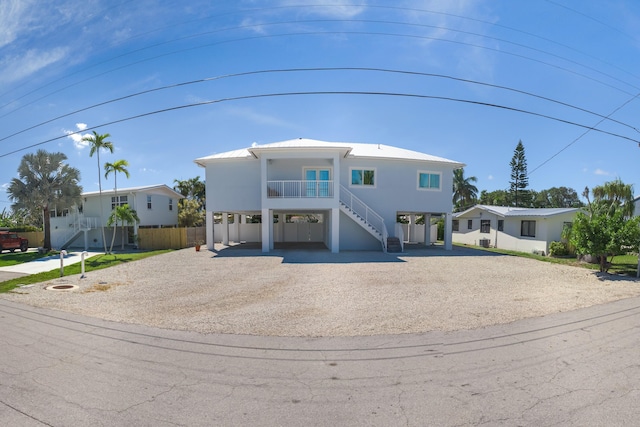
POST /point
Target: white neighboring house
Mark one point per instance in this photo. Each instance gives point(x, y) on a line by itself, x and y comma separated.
point(517, 229)
point(636, 210)
point(156, 206)
point(352, 192)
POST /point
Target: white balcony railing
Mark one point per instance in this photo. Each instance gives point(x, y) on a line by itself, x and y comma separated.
point(302, 189)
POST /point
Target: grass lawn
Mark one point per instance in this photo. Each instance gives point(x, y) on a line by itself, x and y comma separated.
point(7, 258)
point(94, 263)
point(621, 264)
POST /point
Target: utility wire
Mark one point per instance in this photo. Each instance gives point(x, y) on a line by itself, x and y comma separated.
point(271, 95)
point(318, 33)
point(321, 69)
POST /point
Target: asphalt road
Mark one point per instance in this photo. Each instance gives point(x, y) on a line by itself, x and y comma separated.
point(578, 368)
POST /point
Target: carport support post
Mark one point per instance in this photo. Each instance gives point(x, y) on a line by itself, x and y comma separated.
point(335, 230)
point(267, 225)
point(427, 229)
point(225, 228)
point(209, 224)
point(448, 231)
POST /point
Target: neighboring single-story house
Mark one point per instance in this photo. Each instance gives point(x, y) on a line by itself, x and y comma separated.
point(636, 203)
point(80, 226)
point(517, 229)
point(344, 195)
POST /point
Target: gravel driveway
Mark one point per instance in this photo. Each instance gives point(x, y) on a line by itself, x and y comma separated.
point(316, 293)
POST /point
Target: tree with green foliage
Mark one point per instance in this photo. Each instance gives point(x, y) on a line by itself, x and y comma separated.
point(606, 229)
point(119, 166)
point(124, 214)
point(191, 209)
point(45, 182)
point(519, 183)
point(495, 198)
point(556, 197)
point(465, 194)
point(97, 143)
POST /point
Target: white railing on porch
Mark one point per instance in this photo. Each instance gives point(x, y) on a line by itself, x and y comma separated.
point(299, 189)
point(80, 223)
point(369, 216)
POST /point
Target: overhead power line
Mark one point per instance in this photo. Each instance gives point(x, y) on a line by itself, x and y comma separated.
point(270, 95)
point(319, 69)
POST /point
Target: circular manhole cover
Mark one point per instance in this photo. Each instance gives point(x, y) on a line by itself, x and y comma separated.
point(61, 287)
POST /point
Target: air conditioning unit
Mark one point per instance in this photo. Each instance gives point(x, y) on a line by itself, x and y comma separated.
point(485, 243)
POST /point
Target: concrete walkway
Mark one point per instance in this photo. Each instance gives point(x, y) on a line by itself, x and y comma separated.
point(41, 265)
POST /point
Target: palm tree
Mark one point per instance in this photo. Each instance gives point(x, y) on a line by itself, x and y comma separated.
point(97, 143)
point(45, 181)
point(613, 195)
point(465, 193)
point(125, 214)
point(115, 167)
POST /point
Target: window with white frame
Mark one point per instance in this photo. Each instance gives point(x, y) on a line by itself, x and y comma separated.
point(485, 225)
point(118, 201)
point(365, 177)
point(148, 201)
point(469, 224)
point(528, 228)
point(170, 204)
point(429, 180)
point(455, 224)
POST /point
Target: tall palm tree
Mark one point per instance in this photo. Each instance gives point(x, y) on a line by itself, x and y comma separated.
point(45, 181)
point(125, 214)
point(615, 194)
point(99, 142)
point(115, 167)
point(465, 193)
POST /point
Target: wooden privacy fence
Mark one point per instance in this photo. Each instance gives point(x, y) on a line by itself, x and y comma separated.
point(35, 238)
point(169, 238)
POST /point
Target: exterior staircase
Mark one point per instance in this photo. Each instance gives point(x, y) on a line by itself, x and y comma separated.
point(81, 225)
point(363, 215)
point(393, 244)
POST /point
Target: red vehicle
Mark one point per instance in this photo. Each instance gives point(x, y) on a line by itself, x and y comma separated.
point(11, 241)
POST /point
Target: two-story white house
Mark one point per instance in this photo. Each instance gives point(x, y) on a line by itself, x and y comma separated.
point(155, 205)
point(345, 195)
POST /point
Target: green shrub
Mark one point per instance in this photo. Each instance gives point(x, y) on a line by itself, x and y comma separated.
point(558, 249)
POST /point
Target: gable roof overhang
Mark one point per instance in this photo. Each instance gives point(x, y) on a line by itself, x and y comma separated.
point(162, 189)
point(345, 149)
point(509, 212)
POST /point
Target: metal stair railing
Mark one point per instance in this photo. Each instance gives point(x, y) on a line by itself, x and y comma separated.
point(365, 213)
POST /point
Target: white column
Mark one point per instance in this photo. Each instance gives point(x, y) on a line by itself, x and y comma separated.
point(271, 232)
point(225, 228)
point(335, 230)
point(236, 227)
point(448, 232)
point(209, 230)
point(265, 230)
point(427, 229)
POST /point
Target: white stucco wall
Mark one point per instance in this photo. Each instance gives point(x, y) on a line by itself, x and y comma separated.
point(547, 230)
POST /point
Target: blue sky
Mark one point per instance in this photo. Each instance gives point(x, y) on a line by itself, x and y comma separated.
point(61, 56)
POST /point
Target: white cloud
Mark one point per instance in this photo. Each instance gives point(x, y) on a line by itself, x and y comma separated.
point(76, 136)
point(601, 172)
point(490, 177)
point(14, 68)
point(261, 118)
point(340, 9)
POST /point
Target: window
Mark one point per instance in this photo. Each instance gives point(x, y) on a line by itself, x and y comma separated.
point(149, 202)
point(528, 228)
point(501, 225)
point(363, 177)
point(469, 224)
point(455, 224)
point(485, 225)
point(118, 201)
point(170, 204)
point(318, 182)
point(429, 180)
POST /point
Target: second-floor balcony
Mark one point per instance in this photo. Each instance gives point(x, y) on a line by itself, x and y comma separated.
point(299, 189)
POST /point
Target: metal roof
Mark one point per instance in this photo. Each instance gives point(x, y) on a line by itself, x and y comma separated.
point(350, 150)
point(158, 189)
point(508, 211)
